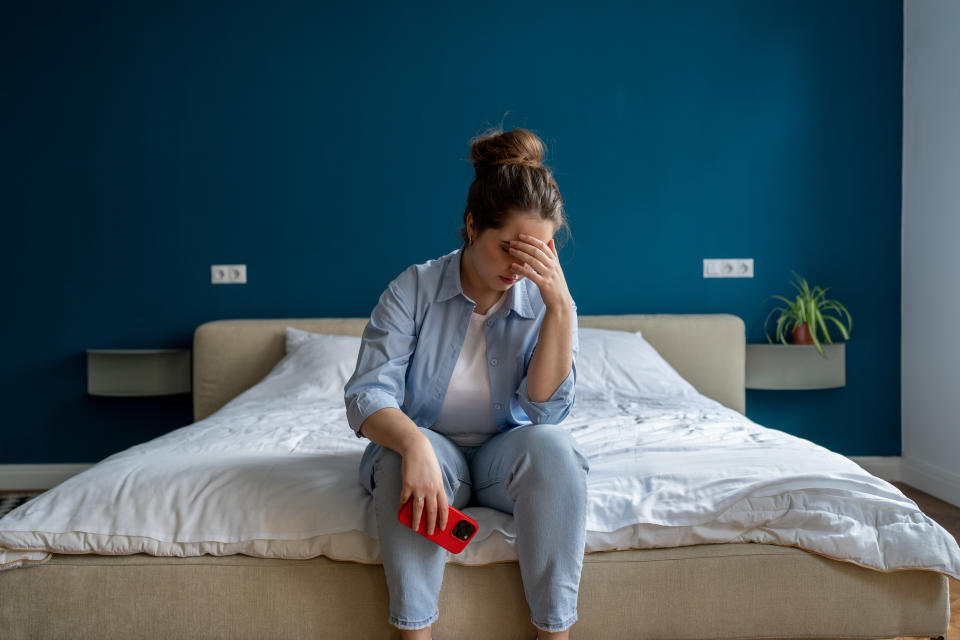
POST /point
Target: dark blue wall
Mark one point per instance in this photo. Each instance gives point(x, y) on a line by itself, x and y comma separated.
point(325, 147)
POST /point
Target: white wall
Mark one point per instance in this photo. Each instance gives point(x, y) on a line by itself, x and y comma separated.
point(930, 288)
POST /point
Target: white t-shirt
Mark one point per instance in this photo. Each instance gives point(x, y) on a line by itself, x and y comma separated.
point(466, 416)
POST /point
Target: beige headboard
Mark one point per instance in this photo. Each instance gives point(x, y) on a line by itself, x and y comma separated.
point(230, 356)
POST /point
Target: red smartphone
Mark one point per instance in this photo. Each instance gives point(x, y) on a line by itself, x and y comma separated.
point(460, 527)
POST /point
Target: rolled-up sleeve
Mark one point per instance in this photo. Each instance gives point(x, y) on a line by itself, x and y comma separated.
point(558, 405)
point(388, 341)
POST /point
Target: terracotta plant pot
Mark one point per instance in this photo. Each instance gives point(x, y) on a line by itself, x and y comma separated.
point(801, 334)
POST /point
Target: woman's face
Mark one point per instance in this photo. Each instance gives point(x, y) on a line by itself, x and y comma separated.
point(488, 258)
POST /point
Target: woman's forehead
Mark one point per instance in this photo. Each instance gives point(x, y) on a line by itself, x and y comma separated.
point(529, 224)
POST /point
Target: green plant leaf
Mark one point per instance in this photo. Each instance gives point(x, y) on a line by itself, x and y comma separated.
point(823, 327)
point(818, 297)
point(806, 288)
point(816, 342)
point(833, 305)
point(767, 321)
point(844, 310)
point(843, 330)
point(780, 328)
point(790, 305)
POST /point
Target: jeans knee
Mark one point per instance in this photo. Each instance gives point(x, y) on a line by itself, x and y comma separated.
point(553, 446)
point(551, 458)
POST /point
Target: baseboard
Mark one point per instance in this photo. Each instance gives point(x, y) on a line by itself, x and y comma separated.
point(884, 467)
point(929, 478)
point(16, 477)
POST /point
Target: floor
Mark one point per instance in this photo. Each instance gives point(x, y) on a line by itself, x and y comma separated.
point(944, 513)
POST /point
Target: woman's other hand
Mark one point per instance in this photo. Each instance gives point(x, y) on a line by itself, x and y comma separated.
point(538, 260)
point(422, 478)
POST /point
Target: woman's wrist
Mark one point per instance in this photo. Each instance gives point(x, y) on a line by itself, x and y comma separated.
point(560, 310)
point(552, 358)
point(412, 442)
point(392, 428)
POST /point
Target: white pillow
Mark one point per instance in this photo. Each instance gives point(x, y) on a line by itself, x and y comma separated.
point(296, 337)
point(623, 363)
point(317, 366)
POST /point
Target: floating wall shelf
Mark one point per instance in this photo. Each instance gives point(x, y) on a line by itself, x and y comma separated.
point(138, 372)
point(795, 366)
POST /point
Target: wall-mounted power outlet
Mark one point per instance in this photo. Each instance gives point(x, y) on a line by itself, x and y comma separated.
point(228, 274)
point(728, 268)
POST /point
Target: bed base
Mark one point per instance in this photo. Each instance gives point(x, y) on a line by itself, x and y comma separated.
point(701, 592)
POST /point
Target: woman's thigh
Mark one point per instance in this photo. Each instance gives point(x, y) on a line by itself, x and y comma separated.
point(539, 450)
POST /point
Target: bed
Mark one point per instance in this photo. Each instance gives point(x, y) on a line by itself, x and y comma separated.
point(817, 548)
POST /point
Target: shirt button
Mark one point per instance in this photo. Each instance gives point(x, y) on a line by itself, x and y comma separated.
point(498, 406)
point(494, 361)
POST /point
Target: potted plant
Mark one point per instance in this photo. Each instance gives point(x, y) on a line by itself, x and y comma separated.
point(807, 315)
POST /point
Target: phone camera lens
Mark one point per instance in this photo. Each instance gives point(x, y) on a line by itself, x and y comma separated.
point(463, 530)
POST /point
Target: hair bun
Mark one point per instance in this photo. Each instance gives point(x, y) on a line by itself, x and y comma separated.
point(495, 147)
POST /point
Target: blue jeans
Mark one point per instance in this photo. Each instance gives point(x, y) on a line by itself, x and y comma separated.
point(534, 472)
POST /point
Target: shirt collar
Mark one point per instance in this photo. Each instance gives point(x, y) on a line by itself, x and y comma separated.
point(518, 299)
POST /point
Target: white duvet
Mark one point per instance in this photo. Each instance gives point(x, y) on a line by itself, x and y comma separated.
point(274, 474)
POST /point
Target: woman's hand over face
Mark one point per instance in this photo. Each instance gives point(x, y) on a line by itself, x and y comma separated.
point(538, 260)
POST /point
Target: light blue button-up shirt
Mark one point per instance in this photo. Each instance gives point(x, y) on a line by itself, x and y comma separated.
point(414, 337)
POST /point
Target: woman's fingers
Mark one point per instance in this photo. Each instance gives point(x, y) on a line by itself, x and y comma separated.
point(546, 248)
point(431, 502)
point(433, 510)
point(417, 512)
point(534, 264)
point(528, 251)
point(525, 270)
point(443, 509)
point(427, 509)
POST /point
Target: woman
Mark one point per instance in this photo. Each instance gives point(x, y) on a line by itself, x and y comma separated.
point(465, 368)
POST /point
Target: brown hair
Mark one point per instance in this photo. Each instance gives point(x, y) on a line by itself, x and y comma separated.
point(510, 176)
